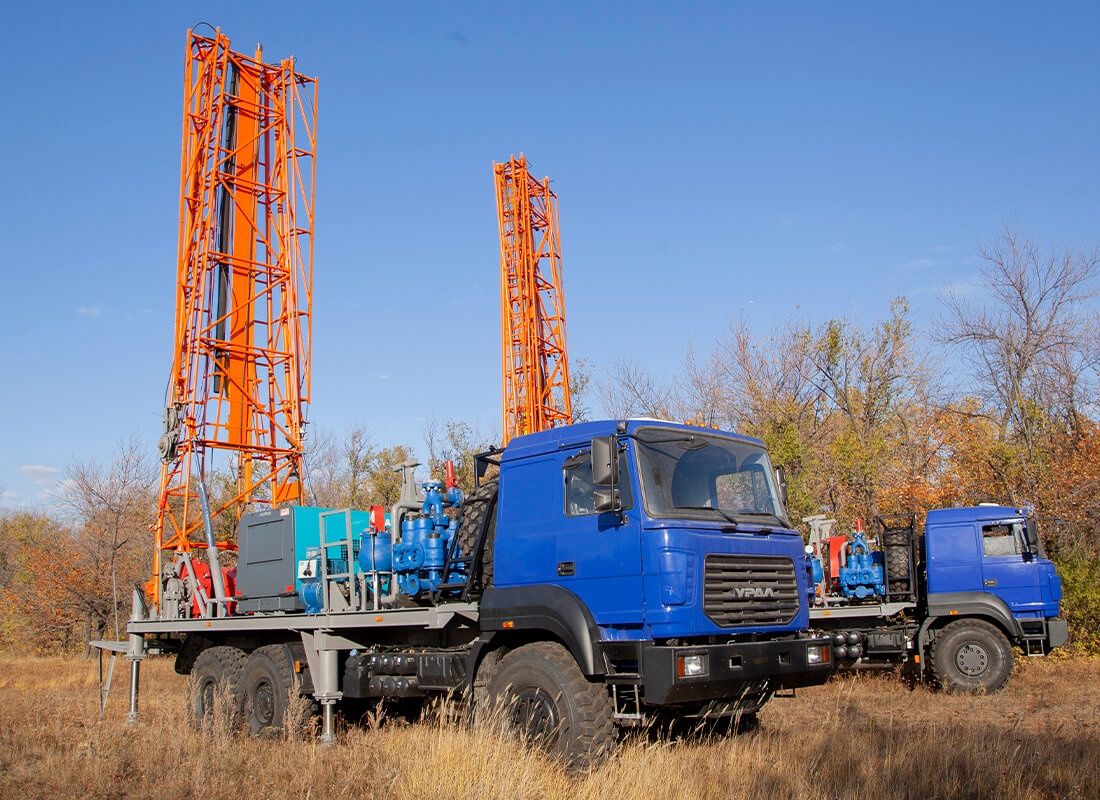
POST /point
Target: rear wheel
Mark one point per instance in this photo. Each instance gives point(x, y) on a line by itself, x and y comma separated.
point(543, 695)
point(971, 655)
point(216, 685)
point(266, 682)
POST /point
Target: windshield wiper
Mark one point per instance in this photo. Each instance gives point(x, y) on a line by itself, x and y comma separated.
point(762, 514)
point(728, 517)
point(690, 441)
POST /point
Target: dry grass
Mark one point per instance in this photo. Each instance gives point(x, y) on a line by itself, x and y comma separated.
point(859, 737)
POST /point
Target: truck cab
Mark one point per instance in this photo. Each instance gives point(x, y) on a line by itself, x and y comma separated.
point(663, 551)
point(988, 559)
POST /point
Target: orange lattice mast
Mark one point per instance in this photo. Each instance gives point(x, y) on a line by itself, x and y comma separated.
point(240, 377)
point(534, 361)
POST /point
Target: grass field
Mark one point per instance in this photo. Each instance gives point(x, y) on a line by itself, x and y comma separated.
point(858, 737)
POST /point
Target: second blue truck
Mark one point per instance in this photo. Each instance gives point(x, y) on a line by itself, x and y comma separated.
point(956, 599)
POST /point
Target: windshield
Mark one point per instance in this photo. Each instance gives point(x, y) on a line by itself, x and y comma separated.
point(706, 477)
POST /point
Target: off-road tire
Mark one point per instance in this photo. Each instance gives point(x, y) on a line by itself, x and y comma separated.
point(266, 682)
point(971, 656)
point(543, 695)
point(216, 674)
point(896, 548)
point(897, 568)
point(479, 509)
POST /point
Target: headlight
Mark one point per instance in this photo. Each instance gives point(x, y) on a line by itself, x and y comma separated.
point(817, 654)
point(691, 666)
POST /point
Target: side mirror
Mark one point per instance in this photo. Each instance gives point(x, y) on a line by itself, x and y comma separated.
point(605, 461)
point(1031, 540)
point(781, 480)
point(607, 500)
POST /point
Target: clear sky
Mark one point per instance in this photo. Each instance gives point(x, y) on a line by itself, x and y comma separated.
point(713, 161)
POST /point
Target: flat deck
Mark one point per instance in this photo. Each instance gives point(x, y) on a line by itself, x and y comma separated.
point(860, 611)
point(429, 618)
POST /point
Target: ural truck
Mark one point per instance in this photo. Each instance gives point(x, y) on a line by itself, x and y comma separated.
point(599, 574)
point(955, 599)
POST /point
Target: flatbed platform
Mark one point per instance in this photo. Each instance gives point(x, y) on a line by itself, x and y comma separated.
point(860, 611)
point(428, 618)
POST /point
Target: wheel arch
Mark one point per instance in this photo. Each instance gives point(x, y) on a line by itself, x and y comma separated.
point(518, 615)
point(947, 607)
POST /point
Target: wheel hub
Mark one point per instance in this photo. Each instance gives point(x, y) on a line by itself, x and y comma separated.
point(206, 696)
point(534, 713)
point(263, 703)
point(972, 659)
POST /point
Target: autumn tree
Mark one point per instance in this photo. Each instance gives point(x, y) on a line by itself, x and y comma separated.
point(349, 471)
point(34, 545)
point(1029, 337)
point(112, 507)
point(580, 382)
point(457, 441)
point(1026, 337)
point(631, 391)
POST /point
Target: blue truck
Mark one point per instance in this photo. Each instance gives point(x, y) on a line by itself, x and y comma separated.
point(956, 599)
point(599, 574)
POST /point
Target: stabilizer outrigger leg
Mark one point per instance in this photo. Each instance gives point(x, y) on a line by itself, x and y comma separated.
point(136, 653)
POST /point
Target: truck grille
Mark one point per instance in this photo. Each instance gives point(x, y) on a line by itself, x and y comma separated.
point(749, 590)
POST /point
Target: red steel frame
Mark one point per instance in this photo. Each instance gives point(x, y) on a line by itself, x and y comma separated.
point(240, 377)
point(534, 361)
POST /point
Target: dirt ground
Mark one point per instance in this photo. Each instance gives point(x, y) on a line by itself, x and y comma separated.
point(866, 736)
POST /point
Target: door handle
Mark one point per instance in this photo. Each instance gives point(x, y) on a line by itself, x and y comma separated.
point(990, 582)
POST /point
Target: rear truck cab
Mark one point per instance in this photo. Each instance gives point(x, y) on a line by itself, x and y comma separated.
point(989, 588)
point(957, 599)
point(661, 556)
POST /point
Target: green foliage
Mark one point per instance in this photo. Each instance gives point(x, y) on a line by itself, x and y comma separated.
point(785, 447)
point(1080, 573)
point(385, 473)
point(459, 442)
point(580, 378)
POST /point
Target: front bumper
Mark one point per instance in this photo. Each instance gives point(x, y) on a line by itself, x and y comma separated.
point(784, 664)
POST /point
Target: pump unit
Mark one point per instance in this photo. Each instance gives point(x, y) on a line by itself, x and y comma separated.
point(310, 559)
point(862, 574)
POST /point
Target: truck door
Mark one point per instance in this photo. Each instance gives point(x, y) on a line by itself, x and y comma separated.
point(1008, 569)
point(599, 557)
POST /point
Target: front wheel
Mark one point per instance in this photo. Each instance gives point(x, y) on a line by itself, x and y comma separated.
point(542, 694)
point(971, 655)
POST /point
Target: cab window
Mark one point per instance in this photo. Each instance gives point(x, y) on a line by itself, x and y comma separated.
point(744, 490)
point(580, 491)
point(1002, 539)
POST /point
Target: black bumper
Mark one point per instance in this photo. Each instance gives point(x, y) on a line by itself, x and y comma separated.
point(730, 668)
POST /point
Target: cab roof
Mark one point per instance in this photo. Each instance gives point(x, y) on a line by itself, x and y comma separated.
point(946, 516)
point(582, 433)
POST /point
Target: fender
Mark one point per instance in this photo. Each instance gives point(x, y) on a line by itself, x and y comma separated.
point(974, 604)
point(549, 608)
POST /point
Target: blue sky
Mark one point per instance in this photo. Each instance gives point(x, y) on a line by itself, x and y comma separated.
point(714, 161)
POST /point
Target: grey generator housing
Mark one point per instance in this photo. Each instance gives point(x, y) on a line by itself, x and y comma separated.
point(267, 563)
